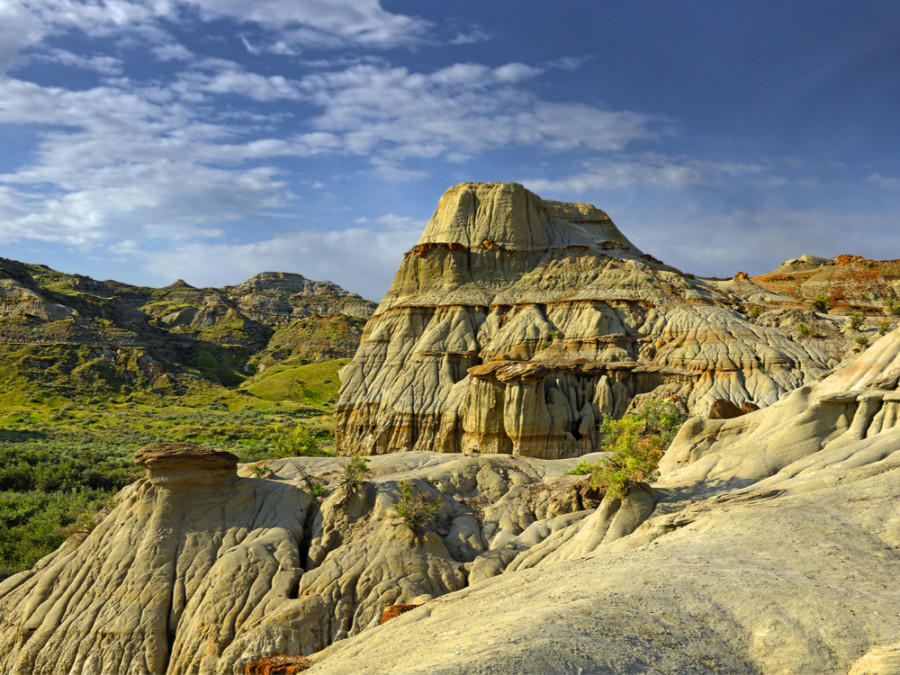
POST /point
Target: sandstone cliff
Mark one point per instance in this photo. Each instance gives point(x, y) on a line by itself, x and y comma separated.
point(516, 322)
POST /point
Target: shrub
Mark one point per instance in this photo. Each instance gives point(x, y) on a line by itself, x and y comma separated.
point(637, 443)
point(317, 490)
point(581, 469)
point(862, 341)
point(417, 510)
point(296, 442)
point(856, 320)
point(260, 470)
point(803, 329)
point(356, 470)
point(884, 326)
point(819, 303)
point(755, 311)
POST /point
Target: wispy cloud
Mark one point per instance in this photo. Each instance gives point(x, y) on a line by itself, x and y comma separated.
point(368, 256)
point(884, 182)
point(617, 172)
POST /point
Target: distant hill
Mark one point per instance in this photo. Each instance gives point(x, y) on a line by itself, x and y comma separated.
point(70, 334)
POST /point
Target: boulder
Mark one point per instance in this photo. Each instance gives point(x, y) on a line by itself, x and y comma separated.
point(723, 409)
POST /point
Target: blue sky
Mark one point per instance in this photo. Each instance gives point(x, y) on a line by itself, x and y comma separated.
point(211, 140)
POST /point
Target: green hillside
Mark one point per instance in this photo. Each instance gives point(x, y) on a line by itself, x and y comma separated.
point(91, 371)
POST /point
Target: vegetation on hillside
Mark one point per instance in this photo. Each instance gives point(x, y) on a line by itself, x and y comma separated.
point(637, 443)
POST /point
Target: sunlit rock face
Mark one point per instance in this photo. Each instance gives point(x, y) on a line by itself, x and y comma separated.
point(516, 323)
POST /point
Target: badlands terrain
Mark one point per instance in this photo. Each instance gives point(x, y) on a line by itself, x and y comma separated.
point(769, 543)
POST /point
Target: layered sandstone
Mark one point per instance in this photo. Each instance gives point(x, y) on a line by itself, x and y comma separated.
point(516, 323)
point(199, 570)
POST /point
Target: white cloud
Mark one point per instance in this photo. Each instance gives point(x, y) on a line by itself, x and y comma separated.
point(462, 110)
point(471, 36)
point(105, 65)
point(884, 182)
point(323, 23)
point(172, 51)
point(569, 62)
point(656, 171)
point(19, 29)
point(361, 259)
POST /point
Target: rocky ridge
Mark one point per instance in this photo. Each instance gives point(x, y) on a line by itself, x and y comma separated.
point(516, 323)
point(148, 338)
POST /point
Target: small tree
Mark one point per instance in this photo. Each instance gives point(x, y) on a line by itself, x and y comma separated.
point(884, 326)
point(417, 510)
point(356, 470)
point(856, 319)
point(296, 442)
point(637, 443)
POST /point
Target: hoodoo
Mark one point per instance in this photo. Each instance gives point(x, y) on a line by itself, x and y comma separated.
point(516, 323)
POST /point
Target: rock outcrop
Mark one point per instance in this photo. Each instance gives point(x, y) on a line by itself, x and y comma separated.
point(844, 281)
point(197, 570)
point(770, 544)
point(516, 323)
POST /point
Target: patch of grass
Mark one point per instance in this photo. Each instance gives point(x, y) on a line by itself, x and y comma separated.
point(803, 329)
point(314, 384)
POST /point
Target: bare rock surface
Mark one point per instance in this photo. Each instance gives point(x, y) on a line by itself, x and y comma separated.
point(516, 323)
point(770, 544)
point(199, 570)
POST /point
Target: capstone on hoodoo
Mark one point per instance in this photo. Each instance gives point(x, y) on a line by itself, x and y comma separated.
point(516, 323)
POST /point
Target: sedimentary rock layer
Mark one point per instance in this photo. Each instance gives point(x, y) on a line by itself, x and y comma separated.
point(516, 323)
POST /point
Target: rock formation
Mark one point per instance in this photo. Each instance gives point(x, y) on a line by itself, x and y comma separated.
point(770, 544)
point(197, 570)
point(516, 323)
point(153, 339)
point(845, 281)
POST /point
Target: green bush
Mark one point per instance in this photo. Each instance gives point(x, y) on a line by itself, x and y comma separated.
point(755, 311)
point(862, 341)
point(416, 509)
point(803, 329)
point(581, 469)
point(856, 320)
point(819, 303)
point(356, 470)
point(297, 442)
point(884, 326)
point(637, 443)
